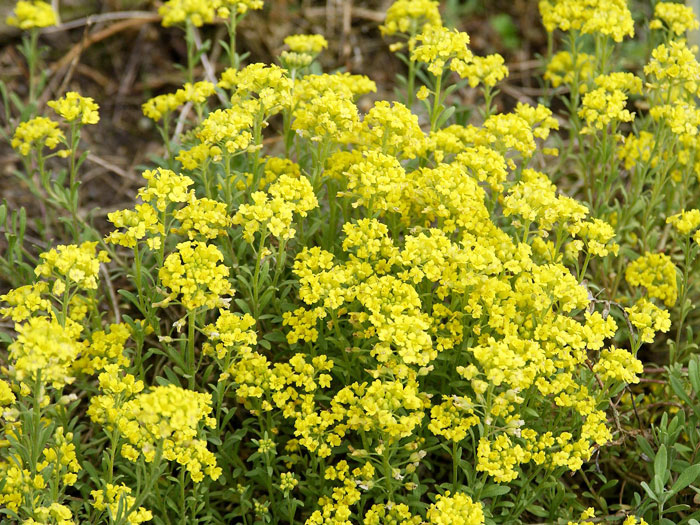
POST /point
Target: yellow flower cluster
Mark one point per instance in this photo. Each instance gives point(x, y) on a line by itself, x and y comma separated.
point(310, 44)
point(648, 319)
point(162, 105)
point(166, 419)
point(457, 509)
point(657, 273)
point(46, 349)
point(194, 272)
point(561, 69)
point(437, 46)
point(199, 12)
point(54, 513)
point(25, 301)
point(36, 133)
point(273, 211)
point(203, 217)
point(618, 364)
point(118, 501)
point(608, 102)
point(165, 187)
point(607, 17)
point(269, 83)
point(390, 513)
point(392, 129)
point(227, 129)
point(675, 68)
point(453, 418)
point(230, 331)
point(72, 265)
point(103, 350)
point(488, 70)
point(72, 106)
point(678, 18)
point(409, 16)
point(685, 222)
point(31, 14)
point(138, 223)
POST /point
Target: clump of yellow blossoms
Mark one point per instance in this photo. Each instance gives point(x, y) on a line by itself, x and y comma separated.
point(437, 46)
point(273, 211)
point(30, 14)
point(72, 265)
point(608, 102)
point(165, 420)
point(677, 17)
point(45, 349)
point(685, 222)
point(72, 106)
point(200, 12)
point(455, 510)
point(117, 500)
point(607, 17)
point(657, 273)
point(311, 44)
point(165, 187)
point(194, 272)
point(162, 105)
point(36, 133)
point(409, 16)
point(561, 69)
point(402, 289)
point(137, 224)
point(25, 300)
point(648, 319)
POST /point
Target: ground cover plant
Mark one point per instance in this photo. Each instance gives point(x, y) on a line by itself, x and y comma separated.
point(327, 308)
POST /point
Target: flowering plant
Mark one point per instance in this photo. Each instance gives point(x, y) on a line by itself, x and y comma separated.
point(384, 316)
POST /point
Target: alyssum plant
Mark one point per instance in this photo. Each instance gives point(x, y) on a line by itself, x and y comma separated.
point(325, 316)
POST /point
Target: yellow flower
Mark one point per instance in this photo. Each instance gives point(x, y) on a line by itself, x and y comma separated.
point(561, 70)
point(203, 217)
point(685, 222)
point(32, 14)
point(193, 272)
point(273, 211)
point(72, 265)
point(409, 16)
point(607, 17)
point(140, 222)
point(198, 12)
point(657, 273)
point(488, 70)
point(437, 45)
point(618, 364)
point(72, 106)
point(455, 510)
point(172, 418)
point(312, 44)
point(45, 346)
point(36, 133)
point(390, 513)
point(677, 17)
point(25, 300)
point(165, 187)
point(648, 319)
point(119, 501)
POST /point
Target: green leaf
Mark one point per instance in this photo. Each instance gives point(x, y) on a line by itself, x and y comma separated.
point(693, 372)
point(660, 464)
point(495, 490)
point(687, 477)
point(649, 492)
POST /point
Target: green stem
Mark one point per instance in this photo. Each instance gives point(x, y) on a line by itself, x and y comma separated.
point(191, 324)
point(434, 115)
